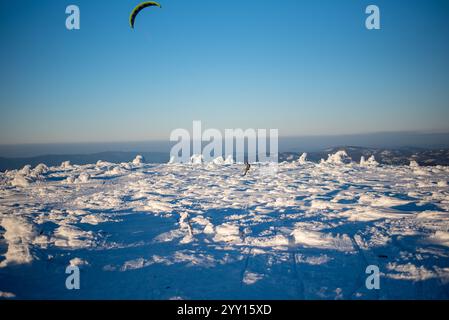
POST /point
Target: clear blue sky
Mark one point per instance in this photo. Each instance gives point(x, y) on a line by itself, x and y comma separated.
point(304, 67)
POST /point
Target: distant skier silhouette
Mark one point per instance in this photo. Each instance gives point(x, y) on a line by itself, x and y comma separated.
point(248, 166)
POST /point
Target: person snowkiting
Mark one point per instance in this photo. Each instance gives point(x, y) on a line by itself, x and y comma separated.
point(247, 167)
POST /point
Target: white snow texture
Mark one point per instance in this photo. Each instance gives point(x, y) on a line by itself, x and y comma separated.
point(205, 231)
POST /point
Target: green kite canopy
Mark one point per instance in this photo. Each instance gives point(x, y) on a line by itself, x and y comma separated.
point(139, 8)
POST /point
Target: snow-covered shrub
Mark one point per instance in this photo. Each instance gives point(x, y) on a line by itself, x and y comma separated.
point(302, 159)
point(414, 164)
point(70, 179)
point(442, 183)
point(26, 170)
point(125, 165)
point(340, 157)
point(229, 160)
point(371, 162)
point(39, 170)
point(218, 161)
point(138, 160)
point(21, 181)
point(26, 175)
point(196, 159)
point(66, 165)
point(115, 170)
point(19, 235)
point(77, 262)
point(101, 163)
point(83, 178)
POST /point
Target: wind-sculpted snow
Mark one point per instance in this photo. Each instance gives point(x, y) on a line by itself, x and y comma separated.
point(298, 230)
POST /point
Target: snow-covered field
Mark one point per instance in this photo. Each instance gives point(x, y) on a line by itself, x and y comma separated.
point(203, 231)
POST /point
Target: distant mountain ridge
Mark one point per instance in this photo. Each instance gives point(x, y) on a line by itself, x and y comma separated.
point(396, 156)
point(54, 160)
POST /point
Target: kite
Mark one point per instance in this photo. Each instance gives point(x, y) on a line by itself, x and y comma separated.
point(139, 8)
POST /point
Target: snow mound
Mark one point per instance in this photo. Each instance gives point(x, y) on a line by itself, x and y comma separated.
point(21, 181)
point(381, 200)
point(116, 170)
point(413, 164)
point(196, 159)
point(268, 242)
point(24, 177)
point(218, 161)
point(339, 158)
point(26, 170)
point(229, 160)
point(371, 162)
point(66, 165)
point(157, 206)
point(209, 229)
point(83, 178)
point(409, 271)
point(73, 237)
point(39, 170)
point(103, 164)
point(442, 183)
point(441, 238)
point(77, 262)
point(138, 160)
point(19, 236)
point(313, 260)
point(263, 233)
point(93, 219)
point(7, 295)
point(251, 278)
point(323, 241)
point(227, 233)
point(70, 180)
point(302, 159)
point(126, 166)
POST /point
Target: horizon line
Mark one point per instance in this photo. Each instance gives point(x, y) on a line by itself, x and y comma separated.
point(150, 140)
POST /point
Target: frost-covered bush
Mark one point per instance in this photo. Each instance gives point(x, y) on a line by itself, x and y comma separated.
point(196, 159)
point(302, 159)
point(340, 157)
point(371, 162)
point(138, 160)
point(229, 160)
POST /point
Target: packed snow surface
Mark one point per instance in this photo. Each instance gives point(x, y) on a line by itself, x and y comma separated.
point(298, 230)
